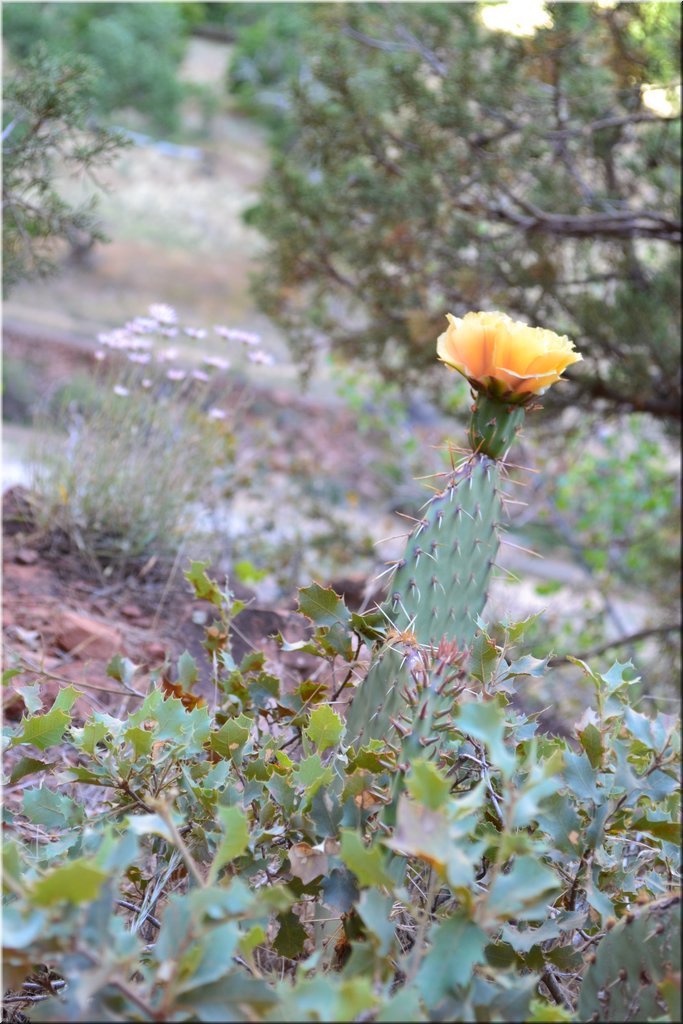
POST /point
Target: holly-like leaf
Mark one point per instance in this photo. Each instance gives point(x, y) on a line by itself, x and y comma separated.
point(235, 838)
point(581, 777)
point(31, 697)
point(340, 890)
point(326, 813)
point(527, 665)
point(28, 766)
point(307, 863)
point(43, 730)
point(209, 957)
point(524, 891)
point(615, 678)
point(669, 831)
point(324, 728)
point(290, 938)
point(231, 737)
point(141, 740)
point(591, 741)
point(426, 783)
point(484, 657)
point(76, 881)
point(375, 911)
point(66, 698)
point(87, 738)
point(311, 775)
point(121, 669)
point(149, 825)
point(204, 588)
point(456, 946)
point(371, 625)
point(45, 807)
point(187, 670)
point(323, 606)
point(485, 721)
point(366, 862)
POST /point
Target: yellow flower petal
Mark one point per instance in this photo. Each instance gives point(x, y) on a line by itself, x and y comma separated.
point(504, 356)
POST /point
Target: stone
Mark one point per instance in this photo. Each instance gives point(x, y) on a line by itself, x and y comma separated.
point(79, 634)
point(131, 611)
point(155, 651)
point(26, 556)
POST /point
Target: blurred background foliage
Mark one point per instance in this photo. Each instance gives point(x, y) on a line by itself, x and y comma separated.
point(136, 50)
point(431, 164)
point(420, 161)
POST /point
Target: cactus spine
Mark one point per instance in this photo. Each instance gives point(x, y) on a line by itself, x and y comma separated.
point(439, 587)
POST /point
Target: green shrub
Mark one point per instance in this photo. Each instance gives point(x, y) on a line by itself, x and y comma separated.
point(145, 450)
point(239, 862)
point(135, 50)
point(19, 390)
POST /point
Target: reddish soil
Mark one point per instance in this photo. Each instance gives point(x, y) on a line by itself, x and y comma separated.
point(62, 624)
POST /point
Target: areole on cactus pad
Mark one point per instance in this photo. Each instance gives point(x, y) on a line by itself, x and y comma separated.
point(438, 589)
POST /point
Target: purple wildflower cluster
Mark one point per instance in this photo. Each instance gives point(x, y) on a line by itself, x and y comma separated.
point(137, 340)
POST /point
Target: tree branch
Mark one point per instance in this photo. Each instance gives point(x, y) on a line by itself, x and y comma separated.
point(632, 638)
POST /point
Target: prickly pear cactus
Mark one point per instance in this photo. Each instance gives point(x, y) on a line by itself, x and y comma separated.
point(636, 972)
point(436, 590)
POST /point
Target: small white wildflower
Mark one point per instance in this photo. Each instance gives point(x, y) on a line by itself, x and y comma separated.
point(217, 414)
point(234, 334)
point(262, 357)
point(246, 337)
point(99, 355)
point(119, 390)
point(163, 313)
point(142, 325)
point(220, 364)
point(146, 382)
point(200, 375)
point(139, 357)
point(176, 375)
point(195, 332)
point(167, 355)
point(168, 332)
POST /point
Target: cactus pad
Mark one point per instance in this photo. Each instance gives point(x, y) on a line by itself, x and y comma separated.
point(636, 972)
point(437, 590)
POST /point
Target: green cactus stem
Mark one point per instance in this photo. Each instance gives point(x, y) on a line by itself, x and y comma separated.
point(635, 975)
point(437, 589)
point(494, 425)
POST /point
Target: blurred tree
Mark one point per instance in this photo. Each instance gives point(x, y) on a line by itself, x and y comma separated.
point(137, 47)
point(46, 130)
point(267, 57)
point(435, 165)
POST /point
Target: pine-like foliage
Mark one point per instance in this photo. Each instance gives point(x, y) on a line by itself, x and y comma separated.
point(433, 164)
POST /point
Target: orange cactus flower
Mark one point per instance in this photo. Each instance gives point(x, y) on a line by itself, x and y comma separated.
point(503, 357)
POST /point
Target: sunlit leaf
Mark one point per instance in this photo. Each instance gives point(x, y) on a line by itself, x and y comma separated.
point(427, 785)
point(367, 863)
point(235, 838)
point(324, 728)
point(322, 605)
point(76, 881)
point(43, 730)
